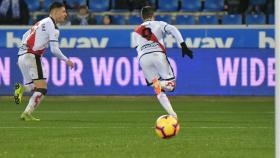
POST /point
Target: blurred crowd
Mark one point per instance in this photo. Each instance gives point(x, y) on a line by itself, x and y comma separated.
point(86, 12)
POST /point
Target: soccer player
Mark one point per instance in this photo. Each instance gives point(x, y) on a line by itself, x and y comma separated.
point(152, 55)
point(33, 45)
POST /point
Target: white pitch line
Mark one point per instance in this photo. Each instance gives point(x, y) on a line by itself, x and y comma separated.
point(124, 127)
point(143, 111)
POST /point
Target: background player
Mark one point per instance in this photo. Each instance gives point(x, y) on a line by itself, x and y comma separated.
point(34, 42)
point(152, 55)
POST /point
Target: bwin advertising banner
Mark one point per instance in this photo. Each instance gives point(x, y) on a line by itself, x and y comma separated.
point(121, 38)
point(116, 71)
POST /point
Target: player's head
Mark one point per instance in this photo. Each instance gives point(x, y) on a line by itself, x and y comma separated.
point(147, 13)
point(58, 12)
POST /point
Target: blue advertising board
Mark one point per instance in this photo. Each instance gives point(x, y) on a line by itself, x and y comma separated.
point(98, 37)
point(115, 71)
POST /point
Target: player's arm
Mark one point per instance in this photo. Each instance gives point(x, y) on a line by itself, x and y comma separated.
point(176, 33)
point(53, 40)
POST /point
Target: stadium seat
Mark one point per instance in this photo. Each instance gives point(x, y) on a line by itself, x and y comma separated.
point(208, 20)
point(257, 19)
point(99, 19)
point(134, 20)
point(168, 5)
point(47, 3)
point(99, 5)
point(232, 19)
point(33, 5)
point(258, 2)
point(76, 3)
point(191, 5)
point(271, 19)
point(185, 20)
point(213, 5)
point(118, 20)
point(165, 18)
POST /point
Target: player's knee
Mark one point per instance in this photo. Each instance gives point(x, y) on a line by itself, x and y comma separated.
point(170, 86)
point(42, 90)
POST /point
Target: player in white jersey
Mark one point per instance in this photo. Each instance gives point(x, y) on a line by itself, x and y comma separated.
point(157, 70)
point(33, 45)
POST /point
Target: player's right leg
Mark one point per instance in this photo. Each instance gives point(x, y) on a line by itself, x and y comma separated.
point(151, 74)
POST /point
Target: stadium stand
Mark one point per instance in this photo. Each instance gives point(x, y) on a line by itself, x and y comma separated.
point(134, 20)
point(191, 5)
point(167, 18)
point(181, 12)
point(255, 19)
point(185, 20)
point(47, 3)
point(118, 19)
point(271, 19)
point(232, 19)
point(213, 5)
point(208, 20)
point(99, 5)
point(33, 5)
point(167, 5)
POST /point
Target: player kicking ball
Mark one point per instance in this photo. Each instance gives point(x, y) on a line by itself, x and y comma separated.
point(33, 45)
point(152, 55)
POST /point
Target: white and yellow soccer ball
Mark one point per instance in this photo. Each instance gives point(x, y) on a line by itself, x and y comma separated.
point(167, 126)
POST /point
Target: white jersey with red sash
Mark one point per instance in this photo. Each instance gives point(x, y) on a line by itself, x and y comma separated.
point(36, 39)
point(148, 38)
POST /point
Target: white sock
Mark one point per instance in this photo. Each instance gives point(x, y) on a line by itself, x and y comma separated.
point(34, 102)
point(167, 85)
point(165, 103)
point(29, 87)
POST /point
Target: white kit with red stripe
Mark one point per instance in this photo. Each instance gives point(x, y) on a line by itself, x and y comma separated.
point(36, 39)
point(148, 36)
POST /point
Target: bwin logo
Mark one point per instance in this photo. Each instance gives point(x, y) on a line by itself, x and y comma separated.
point(73, 42)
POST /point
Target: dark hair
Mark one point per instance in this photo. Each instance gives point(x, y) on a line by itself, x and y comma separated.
point(55, 5)
point(147, 12)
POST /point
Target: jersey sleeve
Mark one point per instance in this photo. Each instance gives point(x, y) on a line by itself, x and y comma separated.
point(53, 33)
point(170, 29)
point(134, 40)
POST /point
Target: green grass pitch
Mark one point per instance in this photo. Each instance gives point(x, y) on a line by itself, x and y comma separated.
point(122, 127)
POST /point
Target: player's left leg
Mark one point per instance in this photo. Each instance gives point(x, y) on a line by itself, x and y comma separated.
point(39, 92)
point(163, 99)
point(166, 83)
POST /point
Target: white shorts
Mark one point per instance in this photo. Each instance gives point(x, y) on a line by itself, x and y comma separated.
point(31, 68)
point(156, 65)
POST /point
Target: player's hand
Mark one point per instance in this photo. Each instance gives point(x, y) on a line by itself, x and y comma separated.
point(186, 50)
point(70, 64)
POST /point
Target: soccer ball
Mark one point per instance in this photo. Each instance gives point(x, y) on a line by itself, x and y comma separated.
point(167, 126)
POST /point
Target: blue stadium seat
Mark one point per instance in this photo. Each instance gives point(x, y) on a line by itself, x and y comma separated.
point(185, 20)
point(118, 20)
point(271, 19)
point(99, 5)
point(208, 20)
point(76, 3)
point(213, 5)
point(232, 19)
point(33, 5)
point(255, 19)
point(99, 19)
point(168, 5)
point(191, 5)
point(47, 3)
point(134, 20)
point(257, 2)
point(165, 18)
